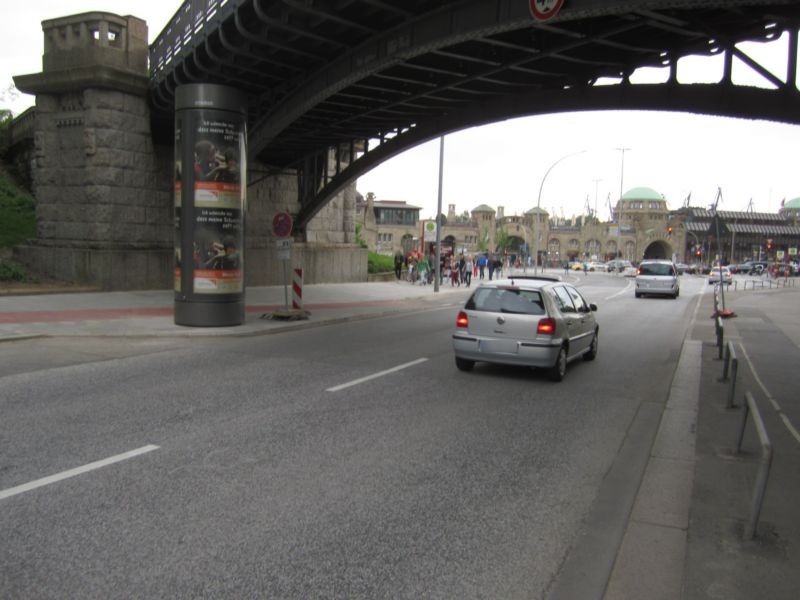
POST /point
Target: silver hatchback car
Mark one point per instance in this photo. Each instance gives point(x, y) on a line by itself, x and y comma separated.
point(658, 278)
point(527, 321)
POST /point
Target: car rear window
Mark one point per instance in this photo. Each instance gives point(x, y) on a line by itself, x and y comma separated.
point(656, 269)
point(507, 300)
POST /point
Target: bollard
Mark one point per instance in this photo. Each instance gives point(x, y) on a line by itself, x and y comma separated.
point(720, 336)
point(764, 465)
point(297, 289)
point(731, 365)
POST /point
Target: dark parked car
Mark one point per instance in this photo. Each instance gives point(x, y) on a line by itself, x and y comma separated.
point(526, 321)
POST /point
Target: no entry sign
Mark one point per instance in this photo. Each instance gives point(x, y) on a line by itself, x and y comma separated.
point(282, 225)
point(543, 10)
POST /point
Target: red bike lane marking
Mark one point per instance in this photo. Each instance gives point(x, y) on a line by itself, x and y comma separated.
point(100, 314)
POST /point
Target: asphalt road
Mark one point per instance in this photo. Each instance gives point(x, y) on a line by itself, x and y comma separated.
point(351, 460)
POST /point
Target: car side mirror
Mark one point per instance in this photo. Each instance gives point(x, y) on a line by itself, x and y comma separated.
point(593, 307)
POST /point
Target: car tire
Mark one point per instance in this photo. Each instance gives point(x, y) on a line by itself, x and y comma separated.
point(591, 354)
point(677, 293)
point(559, 368)
point(637, 294)
point(464, 365)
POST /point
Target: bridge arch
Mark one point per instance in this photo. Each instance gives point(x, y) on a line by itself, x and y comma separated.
point(324, 85)
point(659, 249)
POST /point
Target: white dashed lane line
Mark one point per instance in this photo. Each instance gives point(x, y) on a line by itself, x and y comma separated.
point(26, 487)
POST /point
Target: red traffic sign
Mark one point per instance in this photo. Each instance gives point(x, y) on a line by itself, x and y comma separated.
point(544, 10)
point(282, 224)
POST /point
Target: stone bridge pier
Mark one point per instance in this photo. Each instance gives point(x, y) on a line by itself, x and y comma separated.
point(103, 182)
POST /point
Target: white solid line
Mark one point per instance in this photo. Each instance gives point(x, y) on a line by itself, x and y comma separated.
point(772, 400)
point(790, 427)
point(622, 291)
point(764, 389)
point(26, 487)
point(375, 375)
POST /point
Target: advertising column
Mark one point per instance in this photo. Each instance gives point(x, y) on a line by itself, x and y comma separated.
point(210, 188)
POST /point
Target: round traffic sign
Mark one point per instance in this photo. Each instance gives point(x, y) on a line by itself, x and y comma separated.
point(282, 224)
point(543, 10)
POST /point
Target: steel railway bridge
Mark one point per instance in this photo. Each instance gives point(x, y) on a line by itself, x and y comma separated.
point(335, 87)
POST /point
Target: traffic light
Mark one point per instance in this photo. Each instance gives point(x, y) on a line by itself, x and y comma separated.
point(669, 230)
point(769, 245)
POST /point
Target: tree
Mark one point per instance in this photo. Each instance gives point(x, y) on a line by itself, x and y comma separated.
point(483, 241)
point(502, 240)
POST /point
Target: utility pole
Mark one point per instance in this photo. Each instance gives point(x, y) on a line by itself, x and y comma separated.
point(619, 213)
point(596, 182)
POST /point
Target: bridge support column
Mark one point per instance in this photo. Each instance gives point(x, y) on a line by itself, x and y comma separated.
point(103, 207)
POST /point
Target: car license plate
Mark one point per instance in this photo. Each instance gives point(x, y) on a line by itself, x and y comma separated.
point(499, 346)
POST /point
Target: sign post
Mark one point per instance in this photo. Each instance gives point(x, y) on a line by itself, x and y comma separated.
point(282, 225)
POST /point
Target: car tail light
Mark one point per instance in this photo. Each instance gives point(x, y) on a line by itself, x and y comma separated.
point(462, 320)
point(546, 327)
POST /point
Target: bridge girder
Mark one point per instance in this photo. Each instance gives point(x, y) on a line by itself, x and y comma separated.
point(323, 80)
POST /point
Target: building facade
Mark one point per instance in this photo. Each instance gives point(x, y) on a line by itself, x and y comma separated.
point(642, 226)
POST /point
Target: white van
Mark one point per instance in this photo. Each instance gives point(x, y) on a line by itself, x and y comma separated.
point(657, 278)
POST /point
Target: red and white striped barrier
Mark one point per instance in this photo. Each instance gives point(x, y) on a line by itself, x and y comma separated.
point(297, 289)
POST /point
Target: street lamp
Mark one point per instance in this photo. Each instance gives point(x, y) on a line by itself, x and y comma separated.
point(538, 208)
point(619, 213)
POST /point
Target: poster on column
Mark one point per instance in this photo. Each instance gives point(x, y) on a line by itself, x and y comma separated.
point(178, 186)
point(218, 206)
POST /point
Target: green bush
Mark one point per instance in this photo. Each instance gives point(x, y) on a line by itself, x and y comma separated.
point(378, 263)
point(17, 214)
point(11, 271)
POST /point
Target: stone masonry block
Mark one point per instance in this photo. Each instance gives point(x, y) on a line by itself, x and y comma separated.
point(135, 105)
point(129, 214)
point(72, 231)
point(111, 157)
point(94, 98)
point(114, 176)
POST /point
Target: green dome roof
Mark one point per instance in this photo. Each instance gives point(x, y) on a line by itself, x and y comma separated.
point(792, 203)
point(483, 208)
point(642, 193)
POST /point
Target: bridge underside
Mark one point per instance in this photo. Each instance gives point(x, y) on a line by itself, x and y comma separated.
point(336, 88)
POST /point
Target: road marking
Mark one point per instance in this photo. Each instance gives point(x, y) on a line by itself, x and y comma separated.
point(772, 400)
point(376, 375)
point(26, 487)
point(623, 291)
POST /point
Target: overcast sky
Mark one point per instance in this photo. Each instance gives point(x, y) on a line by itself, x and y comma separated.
point(505, 164)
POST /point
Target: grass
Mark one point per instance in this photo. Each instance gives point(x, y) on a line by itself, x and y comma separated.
point(377, 263)
point(17, 214)
point(17, 224)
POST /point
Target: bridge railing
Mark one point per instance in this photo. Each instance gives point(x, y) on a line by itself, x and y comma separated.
point(186, 24)
point(18, 130)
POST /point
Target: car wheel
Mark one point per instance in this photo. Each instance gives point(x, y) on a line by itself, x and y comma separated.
point(677, 293)
point(559, 369)
point(637, 294)
point(592, 353)
point(464, 365)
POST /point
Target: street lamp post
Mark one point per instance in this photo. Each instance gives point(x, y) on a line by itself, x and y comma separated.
point(538, 208)
point(619, 213)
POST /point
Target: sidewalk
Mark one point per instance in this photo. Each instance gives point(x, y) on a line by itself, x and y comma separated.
point(684, 538)
point(719, 563)
point(150, 313)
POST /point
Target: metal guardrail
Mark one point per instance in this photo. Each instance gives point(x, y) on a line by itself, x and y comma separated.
point(184, 30)
point(730, 366)
point(780, 282)
point(750, 407)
